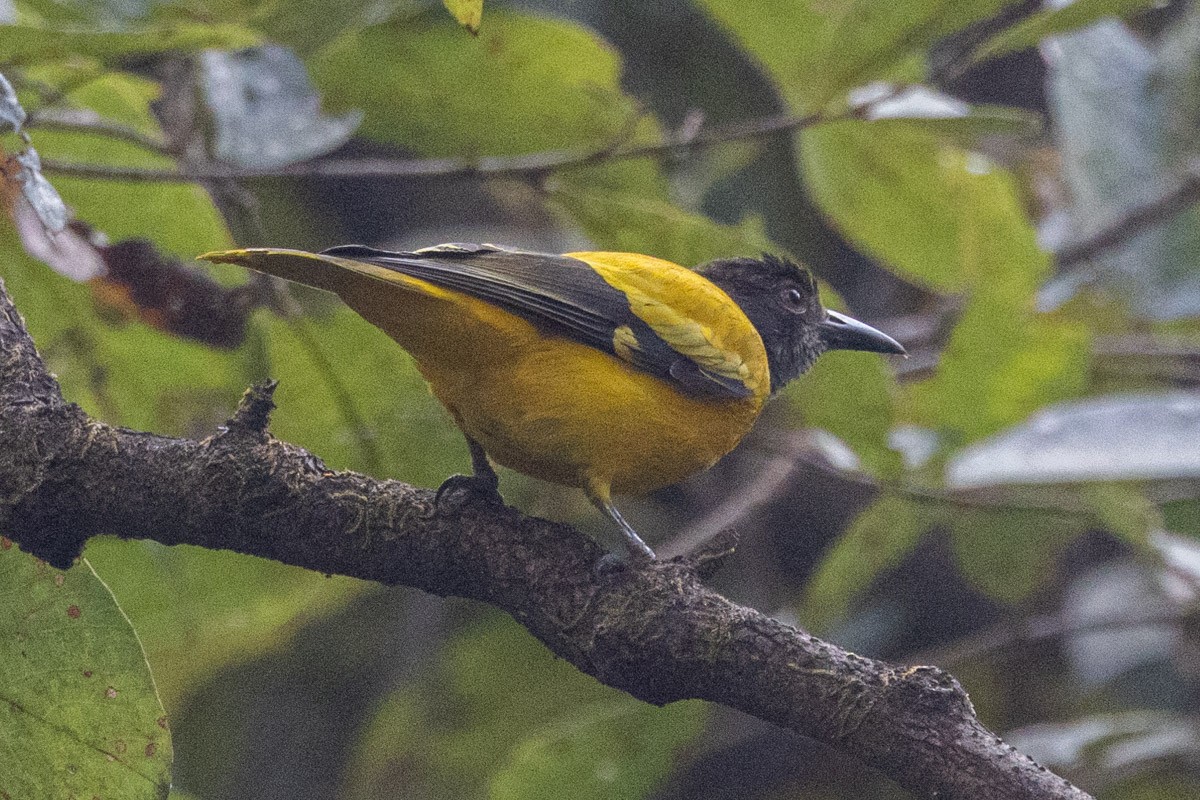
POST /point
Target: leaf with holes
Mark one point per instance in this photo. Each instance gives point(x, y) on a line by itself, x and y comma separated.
point(80, 713)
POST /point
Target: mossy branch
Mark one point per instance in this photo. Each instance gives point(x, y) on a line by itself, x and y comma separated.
point(654, 630)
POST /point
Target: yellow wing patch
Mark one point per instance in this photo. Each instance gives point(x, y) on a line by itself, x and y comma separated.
point(690, 313)
point(625, 342)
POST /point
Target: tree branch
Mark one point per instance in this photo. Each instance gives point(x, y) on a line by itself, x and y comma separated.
point(81, 120)
point(1180, 195)
point(654, 631)
point(495, 166)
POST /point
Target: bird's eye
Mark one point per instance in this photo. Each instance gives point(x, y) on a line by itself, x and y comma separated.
point(793, 300)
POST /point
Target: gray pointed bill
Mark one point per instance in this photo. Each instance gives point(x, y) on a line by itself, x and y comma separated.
point(840, 332)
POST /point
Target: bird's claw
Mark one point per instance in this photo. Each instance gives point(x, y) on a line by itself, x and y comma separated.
point(610, 563)
point(459, 491)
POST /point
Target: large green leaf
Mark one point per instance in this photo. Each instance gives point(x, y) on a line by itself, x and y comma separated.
point(525, 84)
point(818, 49)
point(896, 187)
point(197, 610)
point(1002, 361)
point(500, 714)
point(877, 540)
point(1009, 553)
point(81, 714)
point(899, 192)
point(852, 395)
point(608, 750)
point(29, 44)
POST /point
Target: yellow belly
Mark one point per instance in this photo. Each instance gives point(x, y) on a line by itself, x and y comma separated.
point(568, 412)
point(552, 408)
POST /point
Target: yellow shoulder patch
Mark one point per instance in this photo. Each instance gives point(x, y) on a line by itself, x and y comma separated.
point(690, 313)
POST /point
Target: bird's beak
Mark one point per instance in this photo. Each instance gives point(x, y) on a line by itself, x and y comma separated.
point(840, 332)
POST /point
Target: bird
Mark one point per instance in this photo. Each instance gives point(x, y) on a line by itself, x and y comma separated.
point(616, 373)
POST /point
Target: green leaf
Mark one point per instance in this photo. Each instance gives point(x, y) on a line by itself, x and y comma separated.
point(631, 223)
point(877, 540)
point(903, 195)
point(1000, 366)
point(818, 49)
point(525, 84)
point(197, 610)
point(469, 13)
point(501, 711)
point(851, 395)
point(607, 750)
point(1078, 14)
point(1124, 510)
point(549, 84)
point(31, 44)
point(81, 715)
point(1002, 361)
point(1009, 553)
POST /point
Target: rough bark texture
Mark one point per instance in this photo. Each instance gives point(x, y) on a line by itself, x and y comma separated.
point(654, 631)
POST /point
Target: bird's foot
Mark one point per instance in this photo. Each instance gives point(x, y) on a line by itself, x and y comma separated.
point(610, 563)
point(459, 491)
point(637, 554)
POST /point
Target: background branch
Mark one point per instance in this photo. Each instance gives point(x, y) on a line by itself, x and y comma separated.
point(531, 164)
point(654, 631)
point(1179, 196)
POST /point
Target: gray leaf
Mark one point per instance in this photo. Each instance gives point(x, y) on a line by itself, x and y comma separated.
point(1118, 437)
point(265, 111)
point(1125, 124)
point(11, 113)
point(44, 198)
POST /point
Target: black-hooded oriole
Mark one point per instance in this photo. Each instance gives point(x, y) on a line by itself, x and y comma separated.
point(612, 372)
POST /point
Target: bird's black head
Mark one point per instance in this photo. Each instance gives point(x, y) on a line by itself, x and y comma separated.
point(781, 299)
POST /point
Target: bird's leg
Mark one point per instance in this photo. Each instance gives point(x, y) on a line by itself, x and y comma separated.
point(483, 483)
point(601, 498)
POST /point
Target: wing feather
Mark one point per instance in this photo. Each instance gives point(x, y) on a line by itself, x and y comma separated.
point(567, 296)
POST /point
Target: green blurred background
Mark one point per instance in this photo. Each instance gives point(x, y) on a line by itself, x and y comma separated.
point(1018, 502)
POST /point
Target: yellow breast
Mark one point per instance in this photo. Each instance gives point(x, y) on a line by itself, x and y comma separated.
point(552, 408)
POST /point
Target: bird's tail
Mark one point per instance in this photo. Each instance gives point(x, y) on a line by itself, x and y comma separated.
point(331, 273)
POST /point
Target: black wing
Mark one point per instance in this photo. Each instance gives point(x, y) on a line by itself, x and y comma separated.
point(559, 295)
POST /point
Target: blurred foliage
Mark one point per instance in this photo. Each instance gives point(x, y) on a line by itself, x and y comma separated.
point(990, 508)
point(501, 717)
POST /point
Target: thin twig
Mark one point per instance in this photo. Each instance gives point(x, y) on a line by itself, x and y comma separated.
point(495, 166)
point(751, 496)
point(1181, 195)
point(86, 121)
point(1008, 634)
point(372, 461)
